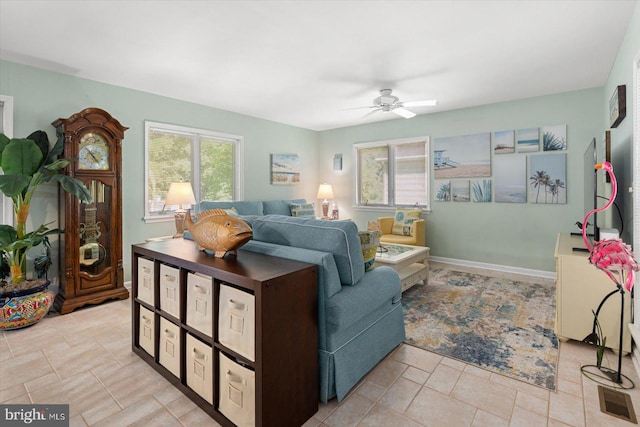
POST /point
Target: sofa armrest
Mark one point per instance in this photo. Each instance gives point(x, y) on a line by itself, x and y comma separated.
point(386, 224)
point(419, 232)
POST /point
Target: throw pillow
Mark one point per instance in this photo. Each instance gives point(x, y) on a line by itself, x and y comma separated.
point(231, 211)
point(369, 243)
point(403, 219)
point(302, 209)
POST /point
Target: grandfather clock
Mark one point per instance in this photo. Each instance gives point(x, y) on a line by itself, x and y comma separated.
point(91, 245)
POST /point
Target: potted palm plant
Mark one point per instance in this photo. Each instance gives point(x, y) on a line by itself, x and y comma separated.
point(26, 164)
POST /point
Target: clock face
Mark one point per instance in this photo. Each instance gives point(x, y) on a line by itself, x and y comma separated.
point(93, 153)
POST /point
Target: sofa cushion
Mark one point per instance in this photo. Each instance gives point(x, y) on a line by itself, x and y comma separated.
point(279, 207)
point(403, 219)
point(302, 209)
point(244, 207)
point(339, 238)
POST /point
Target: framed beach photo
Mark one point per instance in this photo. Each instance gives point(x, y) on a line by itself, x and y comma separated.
point(465, 156)
point(460, 191)
point(548, 179)
point(504, 142)
point(528, 140)
point(510, 178)
point(285, 169)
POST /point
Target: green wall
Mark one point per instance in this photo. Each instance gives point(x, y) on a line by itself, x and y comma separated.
point(41, 96)
point(516, 235)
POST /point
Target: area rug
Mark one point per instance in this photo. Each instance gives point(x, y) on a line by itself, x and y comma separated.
point(501, 325)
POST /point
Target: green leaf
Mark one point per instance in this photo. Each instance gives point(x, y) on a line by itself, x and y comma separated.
point(42, 141)
point(4, 140)
point(73, 186)
point(21, 157)
point(8, 234)
point(57, 164)
point(13, 185)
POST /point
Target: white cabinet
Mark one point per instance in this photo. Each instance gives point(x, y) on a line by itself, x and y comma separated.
point(580, 287)
point(146, 280)
point(169, 347)
point(237, 392)
point(147, 331)
point(170, 290)
point(200, 368)
point(200, 303)
point(236, 321)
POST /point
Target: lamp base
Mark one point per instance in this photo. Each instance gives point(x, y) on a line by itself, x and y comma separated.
point(179, 219)
point(325, 210)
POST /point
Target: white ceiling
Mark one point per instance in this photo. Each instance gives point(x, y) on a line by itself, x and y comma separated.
point(304, 62)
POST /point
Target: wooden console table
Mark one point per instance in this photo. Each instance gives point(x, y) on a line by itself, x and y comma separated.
point(240, 329)
point(580, 287)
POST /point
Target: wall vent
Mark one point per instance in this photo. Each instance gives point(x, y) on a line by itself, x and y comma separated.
point(617, 404)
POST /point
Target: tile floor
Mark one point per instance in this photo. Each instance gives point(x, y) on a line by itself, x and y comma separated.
point(85, 359)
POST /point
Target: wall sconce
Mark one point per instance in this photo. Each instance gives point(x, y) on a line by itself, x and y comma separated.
point(180, 193)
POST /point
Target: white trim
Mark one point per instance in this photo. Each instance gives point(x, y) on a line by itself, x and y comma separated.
point(7, 128)
point(495, 267)
point(635, 107)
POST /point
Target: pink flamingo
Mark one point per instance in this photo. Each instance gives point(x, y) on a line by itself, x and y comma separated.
point(612, 256)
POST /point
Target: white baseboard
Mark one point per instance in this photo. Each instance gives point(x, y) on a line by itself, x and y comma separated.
point(635, 352)
point(127, 285)
point(495, 267)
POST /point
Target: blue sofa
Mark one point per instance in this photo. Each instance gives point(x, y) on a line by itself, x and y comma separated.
point(251, 209)
point(360, 317)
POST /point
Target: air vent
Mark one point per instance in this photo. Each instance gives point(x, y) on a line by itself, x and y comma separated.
point(617, 404)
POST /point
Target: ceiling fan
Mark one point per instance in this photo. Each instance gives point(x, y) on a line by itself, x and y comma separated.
point(387, 102)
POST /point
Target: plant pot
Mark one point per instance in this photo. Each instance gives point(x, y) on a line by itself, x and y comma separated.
point(24, 307)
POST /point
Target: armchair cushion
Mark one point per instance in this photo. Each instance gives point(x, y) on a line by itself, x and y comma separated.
point(403, 219)
point(417, 238)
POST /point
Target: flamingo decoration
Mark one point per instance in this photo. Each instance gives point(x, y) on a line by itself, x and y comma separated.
point(612, 256)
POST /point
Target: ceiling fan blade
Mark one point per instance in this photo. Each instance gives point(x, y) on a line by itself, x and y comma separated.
point(371, 112)
point(425, 103)
point(356, 108)
point(404, 112)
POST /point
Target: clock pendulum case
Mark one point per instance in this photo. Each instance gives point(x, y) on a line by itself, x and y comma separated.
point(91, 269)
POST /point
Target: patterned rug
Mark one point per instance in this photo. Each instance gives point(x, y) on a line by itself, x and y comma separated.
point(501, 325)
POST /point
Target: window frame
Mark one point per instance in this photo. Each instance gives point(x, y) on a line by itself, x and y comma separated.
point(6, 116)
point(196, 135)
point(391, 206)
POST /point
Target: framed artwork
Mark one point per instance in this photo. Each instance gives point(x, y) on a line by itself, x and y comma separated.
point(464, 156)
point(554, 138)
point(510, 178)
point(443, 191)
point(548, 178)
point(481, 190)
point(528, 140)
point(606, 140)
point(504, 142)
point(460, 191)
point(285, 169)
point(618, 105)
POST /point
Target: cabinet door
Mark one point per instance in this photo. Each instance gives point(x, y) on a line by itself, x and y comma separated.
point(236, 321)
point(170, 290)
point(169, 347)
point(146, 280)
point(199, 366)
point(147, 331)
point(200, 303)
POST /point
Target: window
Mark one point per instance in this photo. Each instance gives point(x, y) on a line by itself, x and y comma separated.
point(211, 161)
point(392, 173)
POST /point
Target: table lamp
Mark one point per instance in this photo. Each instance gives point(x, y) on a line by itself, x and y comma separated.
point(180, 193)
point(325, 192)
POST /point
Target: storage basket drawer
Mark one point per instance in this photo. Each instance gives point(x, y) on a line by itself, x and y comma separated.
point(170, 290)
point(236, 321)
point(146, 333)
point(199, 368)
point(169, 348)
point(237, 392)
point(146, 280)
point(200, 303)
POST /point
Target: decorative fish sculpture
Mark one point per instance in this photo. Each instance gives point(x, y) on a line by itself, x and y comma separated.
point(217, 231)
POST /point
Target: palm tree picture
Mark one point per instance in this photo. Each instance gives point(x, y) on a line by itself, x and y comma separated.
point(554, 138)
point(547, 183)
point(444, 192)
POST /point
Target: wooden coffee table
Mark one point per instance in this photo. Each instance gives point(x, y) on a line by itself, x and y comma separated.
point(411, 262)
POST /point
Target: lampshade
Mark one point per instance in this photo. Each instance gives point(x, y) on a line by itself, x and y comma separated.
point(325, 192)
point(180, 193)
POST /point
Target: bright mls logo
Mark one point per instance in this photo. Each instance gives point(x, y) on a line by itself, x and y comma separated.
point(37, 415)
